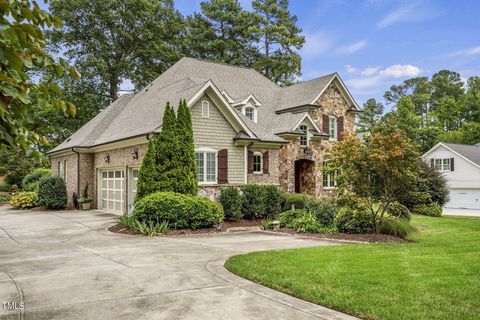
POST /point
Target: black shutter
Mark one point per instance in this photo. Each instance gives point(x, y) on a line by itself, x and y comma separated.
point(222, 166)
point(250, 161)
point(266, 162)
point(452, 164)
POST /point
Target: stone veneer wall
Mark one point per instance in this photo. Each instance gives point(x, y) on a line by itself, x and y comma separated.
point(272, 177)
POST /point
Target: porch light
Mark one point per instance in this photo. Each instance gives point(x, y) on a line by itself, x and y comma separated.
point(106, 158)
point(307, 150)
point(135, 154)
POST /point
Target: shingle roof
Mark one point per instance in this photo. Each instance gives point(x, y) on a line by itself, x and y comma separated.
point(141, 113)
point(471, 152)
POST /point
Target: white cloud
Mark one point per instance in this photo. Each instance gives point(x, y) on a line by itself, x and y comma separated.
point(316, 44)
point(364, 82)
point(350, 69)
point(466, 52)
point(410, 12)
point(370, 71)
point(352, 48)
point(401, 70)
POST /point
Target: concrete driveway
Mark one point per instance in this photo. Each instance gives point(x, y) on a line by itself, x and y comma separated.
point(66, 265)
point(461, 212)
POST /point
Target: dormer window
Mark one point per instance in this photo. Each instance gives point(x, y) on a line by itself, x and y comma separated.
point(304, 136)
point(250, 113)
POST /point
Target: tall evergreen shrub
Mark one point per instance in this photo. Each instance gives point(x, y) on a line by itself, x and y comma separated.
point(167, 152)
point(187, 167)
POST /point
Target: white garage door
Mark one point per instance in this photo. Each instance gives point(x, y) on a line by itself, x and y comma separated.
point(464, 198)
point(111, 190)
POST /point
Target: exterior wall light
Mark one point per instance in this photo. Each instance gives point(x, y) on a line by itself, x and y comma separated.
point(106, 158)
point(135, 154)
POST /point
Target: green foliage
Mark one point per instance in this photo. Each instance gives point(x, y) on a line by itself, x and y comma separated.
point(324, 208)
point(22, 42)
point(431, 209)
point(231, 200)
point(52, 192)
point(85, 198)
point(372, 111)
point(398, 227)
point(354, 220)
point(186, 172)
point(273, 200)
point(16, 163)
point(178, 210)
point(24, 200)
point(306, 223)
point(468, 133)
point(253, 206)
point(5, 197)
point(400, 211)
point(31, 180)
point(287, 217)
point(149, 228)
point(31, 187)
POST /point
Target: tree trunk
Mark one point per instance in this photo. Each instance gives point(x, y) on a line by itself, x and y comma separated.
point(113, 87)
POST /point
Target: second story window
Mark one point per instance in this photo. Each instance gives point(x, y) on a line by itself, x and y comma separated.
point(205, 109)
point(250, 113)
point(332, 127)
point(442, 164)
point(304, 136)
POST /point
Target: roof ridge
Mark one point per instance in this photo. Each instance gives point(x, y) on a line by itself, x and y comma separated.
point(317, 78)
point(477, 145)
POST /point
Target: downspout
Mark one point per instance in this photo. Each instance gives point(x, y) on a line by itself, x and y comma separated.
point(78, 174)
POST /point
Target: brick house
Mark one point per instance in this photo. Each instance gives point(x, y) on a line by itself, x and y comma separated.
point(246, 130)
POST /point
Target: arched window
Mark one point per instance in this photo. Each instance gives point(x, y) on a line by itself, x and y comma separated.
point(250, 113)
point(304, 136)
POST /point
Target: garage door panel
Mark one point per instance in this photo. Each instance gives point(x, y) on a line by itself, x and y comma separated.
point(464, 198)
point(111, 190)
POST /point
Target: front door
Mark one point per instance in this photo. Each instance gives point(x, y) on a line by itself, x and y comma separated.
point(298, 177)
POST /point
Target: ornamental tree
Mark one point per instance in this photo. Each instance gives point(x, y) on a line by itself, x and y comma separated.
point(187, 167)
point(378, 170)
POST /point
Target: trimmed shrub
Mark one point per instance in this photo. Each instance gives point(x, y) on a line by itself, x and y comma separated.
point(52, 192)
point(296, 200)
point(431, 209)
point(416, 198)
point(306, 223)
point(273, 200)
point(287, 217)
point(34, 177)
point(178, 210)
point(253, 204)
point(24, 200)
point(354, 220)
point(231, 201)
point(398, 210)
point(398, 227)
point(324, 208)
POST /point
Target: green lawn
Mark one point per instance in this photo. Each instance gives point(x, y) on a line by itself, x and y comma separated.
point(436, 278)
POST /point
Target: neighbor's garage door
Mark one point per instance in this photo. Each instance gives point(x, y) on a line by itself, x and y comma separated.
point(111, 190)
point(464, 198)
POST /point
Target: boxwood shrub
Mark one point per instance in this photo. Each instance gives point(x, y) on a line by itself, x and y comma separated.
point(253, 203)
point(354, 220)
point(431, 209)
point(179, 210)
point(231, 200)
point(24, 200)
point(52, 192)
point(324, 208)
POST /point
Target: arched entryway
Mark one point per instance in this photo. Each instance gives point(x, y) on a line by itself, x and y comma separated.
point(305, 176)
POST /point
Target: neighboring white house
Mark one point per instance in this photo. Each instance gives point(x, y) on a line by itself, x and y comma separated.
point(460, 164)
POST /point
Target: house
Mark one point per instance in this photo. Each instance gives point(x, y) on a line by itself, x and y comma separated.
point(246, 128)
point(460, 164)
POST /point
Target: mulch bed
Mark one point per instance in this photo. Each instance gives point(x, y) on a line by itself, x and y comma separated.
point(371, 238)
point(119, 228)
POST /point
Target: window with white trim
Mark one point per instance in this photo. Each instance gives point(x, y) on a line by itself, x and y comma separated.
point(257, 162)
point(206, 166)
point(304, 136)
point(205, 109)
point(250, 113)
point(443, 164)
point(332, 127)
point(62, 169)
point(329, 179)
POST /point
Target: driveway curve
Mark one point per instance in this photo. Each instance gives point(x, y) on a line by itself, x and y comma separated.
point(66, 265)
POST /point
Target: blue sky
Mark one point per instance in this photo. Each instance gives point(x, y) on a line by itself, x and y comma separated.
point(373, 44)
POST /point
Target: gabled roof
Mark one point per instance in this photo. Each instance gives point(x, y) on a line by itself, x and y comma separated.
point(139, 114)
point(470, 153)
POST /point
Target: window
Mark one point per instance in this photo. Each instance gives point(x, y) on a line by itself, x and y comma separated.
point(304, 136)
point(329, 179)
point(332, 127)
point(442, 164)
point(257, 162)
point(205, 109)
point(250, 113)
point(206, 166)
point(62, 169)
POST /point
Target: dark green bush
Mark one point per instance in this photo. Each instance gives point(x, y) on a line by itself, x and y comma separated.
point(179, 210)
point(273, 200)
point(286, 218)
point(297, 200)
point(431, 209)
point(397, 227)
point(398, 210)
point(34, 177)
point(253, 206)
point(354, 220)
point(231, 200)
point(324, 208)
point(415, 198)
point(52, 192)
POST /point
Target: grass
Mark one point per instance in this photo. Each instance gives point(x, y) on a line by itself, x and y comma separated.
point(436, 278)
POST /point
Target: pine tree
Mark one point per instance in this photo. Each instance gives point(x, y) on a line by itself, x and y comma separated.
point(187, 168)
point(167, 151)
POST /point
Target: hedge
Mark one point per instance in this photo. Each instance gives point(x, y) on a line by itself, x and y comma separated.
point(231, 200)
point(52, 192)
point(354, 220)
point(178, 210)
point(431, 209)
